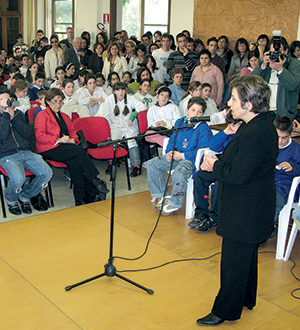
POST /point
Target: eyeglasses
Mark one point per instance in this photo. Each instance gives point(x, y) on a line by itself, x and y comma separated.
point(54, 42)
point(57, 102)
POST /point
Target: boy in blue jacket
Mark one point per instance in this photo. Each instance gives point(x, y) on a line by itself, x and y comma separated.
point(188, 141)
point(288, 161)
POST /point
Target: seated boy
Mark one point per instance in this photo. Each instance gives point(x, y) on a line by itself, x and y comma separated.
point(41, 98)
point(211, 106)
point(188, 141)
point(288, 162)
point(15, 156)
point(177, 92)
point(37, 87)
point(206, 219)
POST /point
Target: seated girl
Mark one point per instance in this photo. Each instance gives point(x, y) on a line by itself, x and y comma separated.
point(194, 90)
point(143, 94)
point(90, 95)
point(253, 62)
point(117, 109)
point(162, 115)
point(12, 71)
point(56, 139)
point(136, 61)
point(70, 71)
point(112, 78)
point(143, 73)
point(79, 82)
point(70, 103)
point(60, 76)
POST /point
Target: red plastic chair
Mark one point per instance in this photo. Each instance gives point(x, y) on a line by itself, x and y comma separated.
point(35, 103)
point(97, 130)
point(75, 116)
point(143, 127)
point(30, 113)
point(48, 190)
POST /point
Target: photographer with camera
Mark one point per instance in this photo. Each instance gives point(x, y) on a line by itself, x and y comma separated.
point(282, 73)
point(15, 157)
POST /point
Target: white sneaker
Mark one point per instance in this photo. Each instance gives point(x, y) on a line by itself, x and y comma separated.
point(168, 210)
point(159, 204)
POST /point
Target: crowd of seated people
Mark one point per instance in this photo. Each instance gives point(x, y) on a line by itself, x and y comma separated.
point(120, 76)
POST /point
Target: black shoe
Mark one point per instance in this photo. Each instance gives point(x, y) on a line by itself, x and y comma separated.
point(210, 319)
point(25, 206)
point(67, 174)
point(14, 209)
point(99, 186)
point(108, 170)
point(134, 173)
point(206, 225)
point(39, 203)
point(197, 220)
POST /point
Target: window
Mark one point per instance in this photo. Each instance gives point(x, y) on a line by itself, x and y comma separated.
point(11, 12)
point(62, 17)
point(140, 16)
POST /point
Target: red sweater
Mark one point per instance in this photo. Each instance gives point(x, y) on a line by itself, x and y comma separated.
point(47, 130)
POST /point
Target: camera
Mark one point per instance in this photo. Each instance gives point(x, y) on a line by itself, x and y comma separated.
point(254, 44)
point(274, 56)
point(11, 102)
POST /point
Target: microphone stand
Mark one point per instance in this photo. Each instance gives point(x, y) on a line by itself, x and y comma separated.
point(109, 269)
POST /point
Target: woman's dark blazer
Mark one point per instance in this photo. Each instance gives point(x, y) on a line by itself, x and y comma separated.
point(95, 63)
point(245, 172)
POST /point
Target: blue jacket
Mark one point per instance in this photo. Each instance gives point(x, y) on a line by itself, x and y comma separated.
point(219, 141)
point(189, 140)
point(283, 179)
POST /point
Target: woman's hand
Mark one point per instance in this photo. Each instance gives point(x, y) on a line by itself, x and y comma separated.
point(130, 123)
point(296, 125)
point(64, 138)
point(208, 163)
point(72, 141)
point(93, 102)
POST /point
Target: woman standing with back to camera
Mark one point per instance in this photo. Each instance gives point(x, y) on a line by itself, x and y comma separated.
point(247, 198)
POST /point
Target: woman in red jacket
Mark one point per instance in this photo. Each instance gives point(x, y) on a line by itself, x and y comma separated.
point(56, 139)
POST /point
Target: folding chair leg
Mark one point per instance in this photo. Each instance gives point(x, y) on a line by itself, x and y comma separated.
point(49, 188)
point(127, 173)
point(291, 241)
point(2, 201)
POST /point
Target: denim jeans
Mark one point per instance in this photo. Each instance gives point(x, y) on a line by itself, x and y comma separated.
point(182, 171)
point(14, 166)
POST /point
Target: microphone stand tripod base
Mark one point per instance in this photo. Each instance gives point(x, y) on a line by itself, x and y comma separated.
point(110, 271)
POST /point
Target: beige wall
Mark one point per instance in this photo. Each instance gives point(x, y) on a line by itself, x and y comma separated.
point(244, 18)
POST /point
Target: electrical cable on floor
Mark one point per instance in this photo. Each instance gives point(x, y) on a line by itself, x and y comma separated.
point(189, 259)
point(162, 205)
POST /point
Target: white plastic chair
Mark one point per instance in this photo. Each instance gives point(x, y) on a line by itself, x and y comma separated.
point(283, 224)
point(293, 234)
point(189, 199)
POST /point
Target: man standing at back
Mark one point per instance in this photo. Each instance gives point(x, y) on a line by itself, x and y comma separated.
point(182, 58)
point(162, 54)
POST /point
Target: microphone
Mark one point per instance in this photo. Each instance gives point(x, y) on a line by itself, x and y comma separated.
point(199, 119)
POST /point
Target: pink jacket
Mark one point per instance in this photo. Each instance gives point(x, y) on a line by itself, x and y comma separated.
point(214, 77)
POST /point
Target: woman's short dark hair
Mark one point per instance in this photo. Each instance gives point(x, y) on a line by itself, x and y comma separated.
point(165, 89)
point(65, 42)
point(241, 41)
point(253, 89)
point(205, 51)
point(119, 85)
point(54, 36)
point(52, 92)
point(60, 68)
point(263, 36)
point(113, 73)
point(97, 44)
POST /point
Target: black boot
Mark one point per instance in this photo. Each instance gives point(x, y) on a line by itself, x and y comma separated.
point(99, 186)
